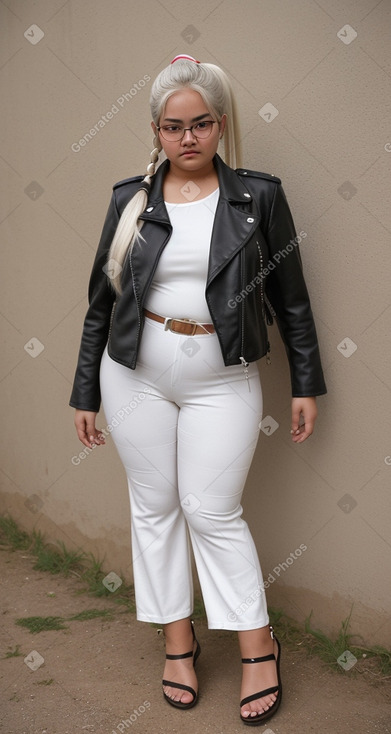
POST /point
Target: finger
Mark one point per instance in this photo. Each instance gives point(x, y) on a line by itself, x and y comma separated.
point(82, 436)
point(87, 433)
point(305, 430)
point(97, 437)
point(93, 434)
point(295, 425)
point(90, 439)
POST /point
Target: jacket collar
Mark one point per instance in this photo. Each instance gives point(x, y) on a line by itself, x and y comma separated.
point(231, 189)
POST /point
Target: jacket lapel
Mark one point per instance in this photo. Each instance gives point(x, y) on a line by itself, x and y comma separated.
point(234, 221)
point(156, 231)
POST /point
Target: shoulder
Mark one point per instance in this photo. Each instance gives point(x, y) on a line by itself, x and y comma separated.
point(123, 191)
point(128, 181)
point(246, 173)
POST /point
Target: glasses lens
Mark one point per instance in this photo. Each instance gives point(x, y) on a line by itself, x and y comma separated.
point(203, 129)
point(171, 132)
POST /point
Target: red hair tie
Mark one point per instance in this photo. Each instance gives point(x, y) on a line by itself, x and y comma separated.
point(184, 56)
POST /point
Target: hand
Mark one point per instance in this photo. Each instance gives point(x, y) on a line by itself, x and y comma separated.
point(85, 428)
point(305, 407)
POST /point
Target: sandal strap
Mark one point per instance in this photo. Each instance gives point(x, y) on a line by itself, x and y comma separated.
point(179, 685)
point(254, 696)
point(180, 657)
point(263, 659)
point(187, 654)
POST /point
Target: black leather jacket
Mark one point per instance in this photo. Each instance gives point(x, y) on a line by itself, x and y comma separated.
point(254, 271)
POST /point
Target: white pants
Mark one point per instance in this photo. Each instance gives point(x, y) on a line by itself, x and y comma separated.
point(186, 427)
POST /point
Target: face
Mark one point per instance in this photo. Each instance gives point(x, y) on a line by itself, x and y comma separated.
point(185, 108)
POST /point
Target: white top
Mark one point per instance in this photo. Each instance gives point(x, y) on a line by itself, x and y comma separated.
point(178, 286)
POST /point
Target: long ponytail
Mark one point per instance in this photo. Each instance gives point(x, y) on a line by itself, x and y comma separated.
point(129, 229)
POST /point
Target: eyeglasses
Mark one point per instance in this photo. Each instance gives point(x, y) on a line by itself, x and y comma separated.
point(175, 133)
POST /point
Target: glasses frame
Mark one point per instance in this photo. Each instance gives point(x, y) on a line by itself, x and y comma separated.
point(170, 140)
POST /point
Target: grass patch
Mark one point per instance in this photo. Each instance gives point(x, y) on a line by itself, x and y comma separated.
point(44, 624)
point(11, 535)
point(374, 661)
point(41, 624)
point(384, 658)
point(327, 649)
point(47, 682)
point(330, 650)
point(60, 560)
point(13, 653)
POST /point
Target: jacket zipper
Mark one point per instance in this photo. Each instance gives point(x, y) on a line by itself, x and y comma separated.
point(111, 321)
point(264, 305)
point(137, 303)
point(242, 358)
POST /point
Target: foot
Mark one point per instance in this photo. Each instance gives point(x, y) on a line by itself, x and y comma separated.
point(258, 677)
point(180, 671)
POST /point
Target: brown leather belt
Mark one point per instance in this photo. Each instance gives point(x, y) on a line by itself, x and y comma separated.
point(187, 327)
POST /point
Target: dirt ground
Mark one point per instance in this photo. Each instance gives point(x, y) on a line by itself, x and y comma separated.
point(104, 675)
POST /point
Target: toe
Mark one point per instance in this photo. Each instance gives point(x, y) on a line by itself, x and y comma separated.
point(177, 695)
point(186, 697)
point(259, 706)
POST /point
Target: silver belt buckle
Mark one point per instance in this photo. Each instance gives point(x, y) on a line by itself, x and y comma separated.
point(168, 324)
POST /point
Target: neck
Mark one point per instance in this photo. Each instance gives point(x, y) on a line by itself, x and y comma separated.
point(180, 176)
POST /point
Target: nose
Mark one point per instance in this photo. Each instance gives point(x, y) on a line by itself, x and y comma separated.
point(188, 137)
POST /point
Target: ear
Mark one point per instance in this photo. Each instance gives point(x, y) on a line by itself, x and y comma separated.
point(154, 128)
point(222, 125)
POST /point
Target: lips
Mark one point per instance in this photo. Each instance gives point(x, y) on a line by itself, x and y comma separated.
point(190, 152)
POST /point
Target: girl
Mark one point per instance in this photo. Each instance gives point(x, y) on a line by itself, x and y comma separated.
point(193, 260)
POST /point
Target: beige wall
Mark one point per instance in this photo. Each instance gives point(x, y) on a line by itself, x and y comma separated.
point(331, 145)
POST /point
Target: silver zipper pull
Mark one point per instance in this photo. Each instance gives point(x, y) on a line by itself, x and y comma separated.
point(245, 369)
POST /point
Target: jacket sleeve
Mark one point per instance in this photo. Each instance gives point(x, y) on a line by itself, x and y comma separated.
point(287, 292)
point(86, 390)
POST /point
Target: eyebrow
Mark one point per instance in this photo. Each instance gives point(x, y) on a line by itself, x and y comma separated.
point(195, 119)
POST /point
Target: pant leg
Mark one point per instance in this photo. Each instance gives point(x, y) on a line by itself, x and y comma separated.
point(145, 435)
point(218, 431)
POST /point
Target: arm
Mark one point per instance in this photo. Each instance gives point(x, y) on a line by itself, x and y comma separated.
point(86, 391)
point(287, 292)
point(288, 295)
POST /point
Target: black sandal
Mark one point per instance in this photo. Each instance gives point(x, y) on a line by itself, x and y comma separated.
point(260, 718)
point(194, 655)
